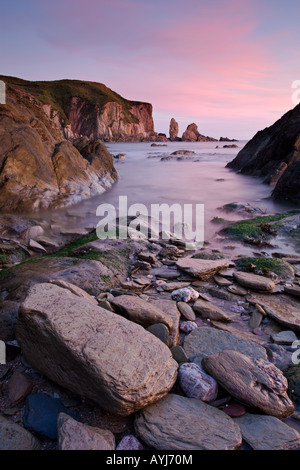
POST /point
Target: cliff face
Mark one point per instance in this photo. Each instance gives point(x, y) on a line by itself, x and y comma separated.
point(90, 109)
point(274, 154)
point(38, 167)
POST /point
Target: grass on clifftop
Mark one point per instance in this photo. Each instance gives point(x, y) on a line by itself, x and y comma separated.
point(58, 94)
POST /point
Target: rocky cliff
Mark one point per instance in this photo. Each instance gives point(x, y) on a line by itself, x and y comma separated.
point(274, 154)
point(89, 109)
point(39, 168)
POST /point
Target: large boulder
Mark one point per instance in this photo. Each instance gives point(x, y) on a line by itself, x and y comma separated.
point(180, 423)
point(93, 352)
point(256, 382)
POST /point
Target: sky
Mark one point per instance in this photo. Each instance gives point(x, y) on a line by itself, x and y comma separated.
point(226, 65)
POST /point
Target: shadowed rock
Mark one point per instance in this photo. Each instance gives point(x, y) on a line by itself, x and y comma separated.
point(255, 382)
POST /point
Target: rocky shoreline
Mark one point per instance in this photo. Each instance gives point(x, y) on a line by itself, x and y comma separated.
point(109, 339)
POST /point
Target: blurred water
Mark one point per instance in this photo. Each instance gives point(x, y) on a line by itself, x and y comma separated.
point(145, 179)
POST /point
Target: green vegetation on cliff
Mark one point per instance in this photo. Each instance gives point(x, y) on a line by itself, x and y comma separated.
point(58, 94)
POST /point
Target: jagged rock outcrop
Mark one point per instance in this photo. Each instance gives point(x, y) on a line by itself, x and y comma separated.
point(274, 154)
point(38, 167)
point(193, 135)
point(173, 130)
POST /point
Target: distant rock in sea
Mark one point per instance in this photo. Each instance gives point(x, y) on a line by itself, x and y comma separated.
point(193, 135)
point(173, 130)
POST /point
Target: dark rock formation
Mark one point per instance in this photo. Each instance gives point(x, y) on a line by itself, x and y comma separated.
point(274, 154)
point(173, 130)
point(193, 135)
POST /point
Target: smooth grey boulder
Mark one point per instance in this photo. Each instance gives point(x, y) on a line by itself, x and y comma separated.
point(180, 423)
point(206, 341)
point(93, 352)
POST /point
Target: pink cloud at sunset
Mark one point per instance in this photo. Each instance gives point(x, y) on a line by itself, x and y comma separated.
point(228, 66)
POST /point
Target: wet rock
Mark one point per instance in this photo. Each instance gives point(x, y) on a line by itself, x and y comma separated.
point(245, 335)
point(73, 435)
point(282, 308)
point(170, 252)
point(187, 294)
point(292, 373)
point(195, 383)
point(130, 442)
point(85, 349)
point(169, 307)
point(255, 382)
point(284, 337)
point(74, 289)
point(140, 311)
point(166, 273)
point(14, 437)
point(222, 281)
point(186, 311)
point(219, 293)
point(179, 355)
point(255, 320)
point(237, 290)
point(18, 387)
point(267, 433)
point(32, 233)
point(41, 413)
point(292, 290)
point(234, 410)
point(201, 269)
point(187, 326)
point(206, 341)
point(209, 310)
point(161, 331)
point(171, 286)
point(180, 423)
point(8, 320)
point(35, 246)
point(253, 281)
